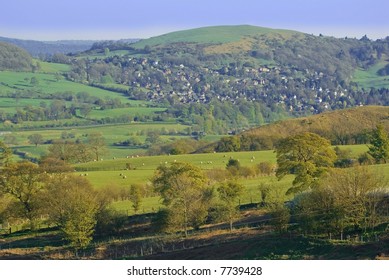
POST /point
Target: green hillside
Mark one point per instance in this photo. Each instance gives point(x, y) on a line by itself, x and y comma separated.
point(369, 78)
point(211, 35)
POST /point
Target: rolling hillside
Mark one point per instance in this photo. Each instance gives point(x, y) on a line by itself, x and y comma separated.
point(211, 35)
point(289, 72)
point(349, 126)
point(36, 48)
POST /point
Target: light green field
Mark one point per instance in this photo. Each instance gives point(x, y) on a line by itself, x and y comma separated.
point(48, 67)
point(251, 194)
point(207, 35)
point(146, 167)
point(47, 83)
point(355, 150)
point(205, 161)
point(369, 78)
point(10, 105)
point(111, 133)
point(131, 111)
point(149, 205)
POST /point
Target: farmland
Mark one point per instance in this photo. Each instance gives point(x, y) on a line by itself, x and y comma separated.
point(157, 150)
point(114, 172)
point(111, 133)
point(47, 84)
point(369, 78)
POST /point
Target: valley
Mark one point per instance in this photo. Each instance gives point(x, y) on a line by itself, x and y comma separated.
point(172, 145)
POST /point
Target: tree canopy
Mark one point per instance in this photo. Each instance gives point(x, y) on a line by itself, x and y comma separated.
point(379, 148)
point(307, 156)
point(184, 191)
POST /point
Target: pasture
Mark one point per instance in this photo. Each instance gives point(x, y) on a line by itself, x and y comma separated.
point(204, 161)
point(369, 78)
point(11, 105)
point(130, 111)
point(49, 67)
point(112, 134)
point(47, 84)
point(114, 173)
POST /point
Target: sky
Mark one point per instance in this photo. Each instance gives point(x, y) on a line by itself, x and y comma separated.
point(125, 19)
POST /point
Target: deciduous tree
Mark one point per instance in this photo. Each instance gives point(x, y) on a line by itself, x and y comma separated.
point(229, 193)
point(69, 151)
point(184, 191)
point(97, 145)
point(35, 139)
point(5, 154)
point(23, 182)
point(344, 198)
point(73, 205)
point(307, 156)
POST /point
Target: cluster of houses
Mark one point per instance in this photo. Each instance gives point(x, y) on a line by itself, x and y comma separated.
point(294, 89)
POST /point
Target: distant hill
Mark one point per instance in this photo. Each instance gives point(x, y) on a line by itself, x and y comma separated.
point(14, 58)
point(230, 78)
point(37, 48)
point(211, 35)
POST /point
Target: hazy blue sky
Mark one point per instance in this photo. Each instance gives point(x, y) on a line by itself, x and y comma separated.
point(116, 19)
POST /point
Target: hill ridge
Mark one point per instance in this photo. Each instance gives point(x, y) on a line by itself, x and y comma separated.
point(340, 126)
point(211, 34)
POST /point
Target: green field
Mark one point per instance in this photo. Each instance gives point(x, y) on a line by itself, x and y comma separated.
point(369, 78)
point(110, 173)
point(112, 134)
point(139, 111)
point(205, 161)
point(10, 105)
point(48, 84)
point(207, 35)
point(48, 67)
point(113, 174)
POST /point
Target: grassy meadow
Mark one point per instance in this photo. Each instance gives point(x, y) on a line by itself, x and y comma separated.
point(369, 78)
point(50, 67)
point(48, 84)
point(207, 35)
point(112, 133)
point(113, 173)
